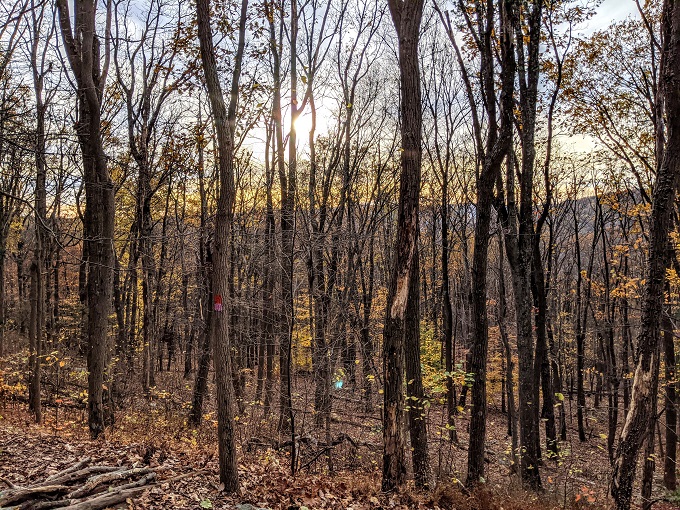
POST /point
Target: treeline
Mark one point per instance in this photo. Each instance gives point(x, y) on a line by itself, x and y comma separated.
point(334, 191)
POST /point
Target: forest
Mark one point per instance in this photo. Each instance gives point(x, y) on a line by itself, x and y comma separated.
point(344, 254)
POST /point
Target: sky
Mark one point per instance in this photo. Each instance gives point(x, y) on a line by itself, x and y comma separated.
point(609, 11)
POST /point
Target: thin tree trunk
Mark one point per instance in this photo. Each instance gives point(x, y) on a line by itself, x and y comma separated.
point(447, 312)
point(3, 305)
point(225, 125)
point(205, 295)
point(510, 364)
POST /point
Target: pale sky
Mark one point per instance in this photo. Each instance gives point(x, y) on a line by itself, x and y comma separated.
point(609, 11)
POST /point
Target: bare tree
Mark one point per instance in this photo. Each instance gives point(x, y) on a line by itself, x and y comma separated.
point(84, 52)
point(645, 382)
point(225, 126)
point(401, 334)
point(40, 67)
point(491, 148)
point(145, 71)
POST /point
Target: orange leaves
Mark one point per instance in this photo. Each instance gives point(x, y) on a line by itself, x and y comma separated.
point(586, 494)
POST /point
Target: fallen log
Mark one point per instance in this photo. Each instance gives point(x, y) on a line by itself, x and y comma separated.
point(75, 467)
point(95, 481)
point(106, 500)
point(95, 493)
point(18, 495)
point(80, 474)
point(68, 502)
point(45, 505)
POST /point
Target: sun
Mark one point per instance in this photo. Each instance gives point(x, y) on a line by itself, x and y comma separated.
point(303, 123)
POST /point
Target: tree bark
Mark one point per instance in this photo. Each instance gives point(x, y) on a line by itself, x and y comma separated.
point(225, 125)
point(671, 402)
point(83, 51)
point(406, 17)
point(491, 156)
point(645, 381)
point(414, 382)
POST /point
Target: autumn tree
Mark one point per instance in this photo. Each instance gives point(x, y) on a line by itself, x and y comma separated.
point(491, 147)
point(401, 339)
point(89, 66)
point(225, 126)
point(645, 381)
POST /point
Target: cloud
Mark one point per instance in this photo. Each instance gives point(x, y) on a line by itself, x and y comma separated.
point(608, 12)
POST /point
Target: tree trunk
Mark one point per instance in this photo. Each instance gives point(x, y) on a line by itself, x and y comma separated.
point(645, 381)
point(649, 463)
point(3, 305)
point(38, 266)
point(406, 17)
point(510, 364)
point(447, 311)
point(542, 354)
point(669, 476)
point(268, 318)
point(367, 348)
point(414, 386)
point(491, 145)
point(35, 342)
point(83, 51)
point(225, 125)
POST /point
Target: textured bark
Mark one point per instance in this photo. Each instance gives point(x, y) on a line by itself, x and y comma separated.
point(414, 381)
point(645, 381)
point(519, 225)
point(498, 143)
point(406, 16)
point(82, 48)
point(542, 362)
point(649, 462)
point(671, 402)
point(35, 341)
point(225, 125)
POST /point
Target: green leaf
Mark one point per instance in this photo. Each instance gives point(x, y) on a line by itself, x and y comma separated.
point(206, 503)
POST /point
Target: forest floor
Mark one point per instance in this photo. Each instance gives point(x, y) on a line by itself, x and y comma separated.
point(154, 434)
